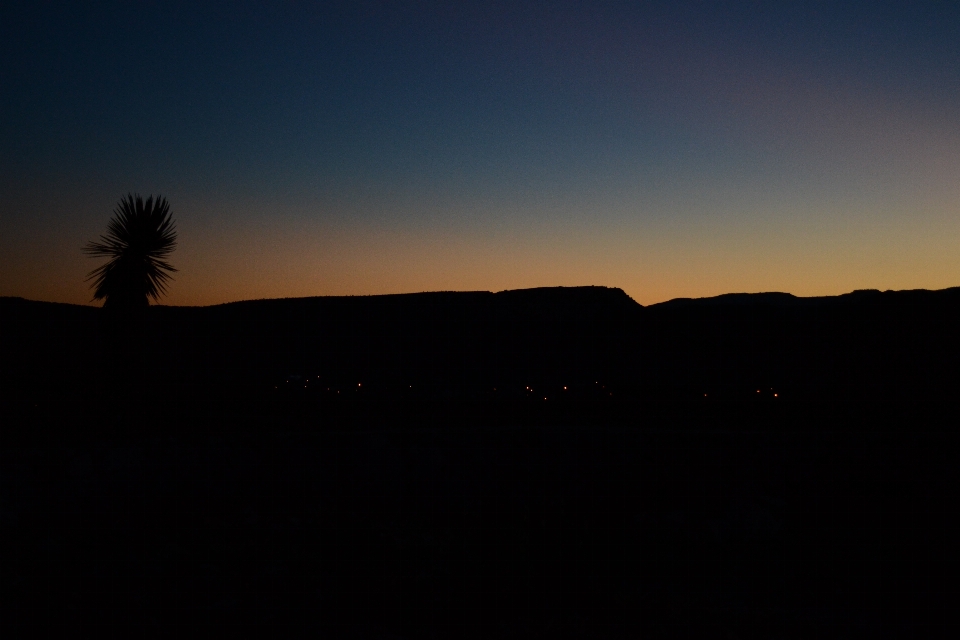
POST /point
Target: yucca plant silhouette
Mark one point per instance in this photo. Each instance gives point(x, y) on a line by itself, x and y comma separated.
point(139, 238)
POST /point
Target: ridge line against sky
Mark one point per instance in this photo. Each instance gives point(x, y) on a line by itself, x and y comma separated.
point(663, 302)
point(682, 149)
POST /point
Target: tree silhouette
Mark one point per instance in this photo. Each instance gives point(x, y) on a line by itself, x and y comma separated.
point(139, 238)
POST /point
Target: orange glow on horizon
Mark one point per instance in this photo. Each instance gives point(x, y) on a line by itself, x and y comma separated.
point(652, 261)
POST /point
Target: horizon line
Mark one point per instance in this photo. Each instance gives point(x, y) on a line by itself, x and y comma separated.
point(478, 291)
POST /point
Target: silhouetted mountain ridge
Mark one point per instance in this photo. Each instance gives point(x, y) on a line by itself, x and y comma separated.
point(542, 303)
point(917, 299)
point(865, 344)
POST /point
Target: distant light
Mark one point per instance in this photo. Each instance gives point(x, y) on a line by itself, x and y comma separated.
point(564, 388)
point(774, 395)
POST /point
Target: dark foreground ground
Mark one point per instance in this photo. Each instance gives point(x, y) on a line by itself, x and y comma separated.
point(481, 521)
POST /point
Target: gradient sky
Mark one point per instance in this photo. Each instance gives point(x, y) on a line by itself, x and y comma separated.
point(677, 149)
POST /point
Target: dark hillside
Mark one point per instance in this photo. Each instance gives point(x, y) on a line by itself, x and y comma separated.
point(865, 345)
point(564, 304)
point(430, 345)
point(48, 350)
point(584, 515)
point(512, 345)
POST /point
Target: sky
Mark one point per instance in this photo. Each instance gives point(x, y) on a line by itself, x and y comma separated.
point(675, 149)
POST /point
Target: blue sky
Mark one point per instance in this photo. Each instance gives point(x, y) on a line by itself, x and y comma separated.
point(671, 149)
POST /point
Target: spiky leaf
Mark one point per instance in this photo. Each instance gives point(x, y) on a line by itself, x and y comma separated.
point(139, 238)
